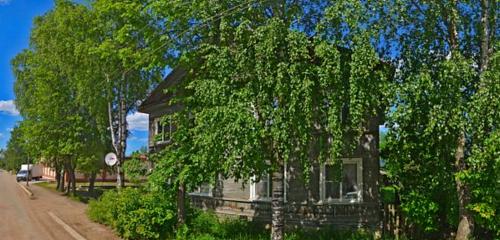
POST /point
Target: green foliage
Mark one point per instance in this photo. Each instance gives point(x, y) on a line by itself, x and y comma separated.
point(182, 232)
point(258, 93)
point(441, 92)
point(263, 88)
point(82, 59)
point(266, 81)
point(135, 214)
point(102, 210)
point(421, 210)
point(421, 142)
point(121, 59)
point(388, 194)
point(56, 125)
point(206, 222)
point(329, 234)
point(15, 154)
point(2, 159)
point(484, 161)
point(207, 225)
point(135, 169)
point(484, 177)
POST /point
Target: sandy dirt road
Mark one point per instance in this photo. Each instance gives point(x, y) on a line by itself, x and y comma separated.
point(23, 218)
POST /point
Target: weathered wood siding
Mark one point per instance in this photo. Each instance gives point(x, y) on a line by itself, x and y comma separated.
point(303, 205)
point(235, 190)
point(302, 200)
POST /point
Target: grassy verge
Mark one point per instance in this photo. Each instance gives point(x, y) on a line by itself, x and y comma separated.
point(207, 226)
point(82, 193)
point(47, 185)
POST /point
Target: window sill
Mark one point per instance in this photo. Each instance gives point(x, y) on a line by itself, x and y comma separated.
point(265, 199)
point(338, 201)
point(164, 142)
point(200, 194)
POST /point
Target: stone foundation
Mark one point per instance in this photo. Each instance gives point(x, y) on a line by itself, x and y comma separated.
point(342, 215)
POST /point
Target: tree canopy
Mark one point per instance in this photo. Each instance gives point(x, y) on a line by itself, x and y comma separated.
point(266, 82)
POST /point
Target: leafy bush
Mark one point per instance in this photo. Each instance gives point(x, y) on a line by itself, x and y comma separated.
point(205, 222)
point(388, 194)
point(135, 169)
point(205, 237)
point(135, 214)
point(329, 234)
point(421, 210)
point(206, 225)
point(102, 211)
point(483, 176)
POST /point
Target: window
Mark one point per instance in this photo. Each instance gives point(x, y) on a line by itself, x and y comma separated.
point(349, 188)
point(204, 190)
point(164, 129)
point(262, 189)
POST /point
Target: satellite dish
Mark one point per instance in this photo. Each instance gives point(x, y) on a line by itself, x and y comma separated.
point(111, 159)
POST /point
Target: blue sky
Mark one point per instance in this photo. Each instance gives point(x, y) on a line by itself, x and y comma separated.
point(16, 18)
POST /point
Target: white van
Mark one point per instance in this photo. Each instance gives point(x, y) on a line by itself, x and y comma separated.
point(30, 171)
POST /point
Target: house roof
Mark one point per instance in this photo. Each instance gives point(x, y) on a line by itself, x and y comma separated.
point(159, 96)
point(157, 103)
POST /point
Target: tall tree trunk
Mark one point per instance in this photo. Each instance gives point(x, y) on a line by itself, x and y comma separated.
point(58, 176)
point(485, 35)
point(70, 170)
point(58, 180)
point(68, 178)
point(119, 137)
point(466, 222)
point(92, 178)
point(61, 185)
point(278, 204)
point(73, 179)
point(122, 144)
point(181, 207)
point(451, 18)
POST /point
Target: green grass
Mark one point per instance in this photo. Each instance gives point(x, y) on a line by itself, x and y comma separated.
point(207, 226)
point(47, 185)
point(82, 195)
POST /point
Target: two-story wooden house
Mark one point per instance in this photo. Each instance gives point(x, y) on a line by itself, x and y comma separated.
point(352, 201)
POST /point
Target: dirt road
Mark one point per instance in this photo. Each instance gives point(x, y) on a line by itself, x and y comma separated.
point(48, 216)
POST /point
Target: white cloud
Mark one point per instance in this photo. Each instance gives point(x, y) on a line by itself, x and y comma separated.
point(8, 106)
point(1, 135)
point(138, 121)
point(137, 139)
point(4, 2)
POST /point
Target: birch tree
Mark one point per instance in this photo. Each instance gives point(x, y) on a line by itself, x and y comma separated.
point(58, 127)
point(123, 54)
point(263, 81)
point(445, 52)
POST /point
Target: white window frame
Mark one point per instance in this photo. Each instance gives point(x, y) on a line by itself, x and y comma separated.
point(253, 187)
point(199, 193)
point(359, 175)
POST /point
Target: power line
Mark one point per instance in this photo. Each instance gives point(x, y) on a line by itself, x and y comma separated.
point(215, 18)
point(207, 21)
